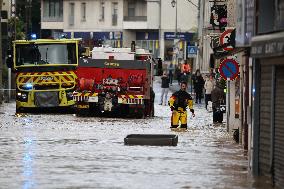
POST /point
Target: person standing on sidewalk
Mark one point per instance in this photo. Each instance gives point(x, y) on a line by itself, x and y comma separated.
point(208, 86)
point(198, 84)
point(160, 67)
point(218, 98)
point(185, 69)
point(165, 88)
point(171, 72)
point(178, 103)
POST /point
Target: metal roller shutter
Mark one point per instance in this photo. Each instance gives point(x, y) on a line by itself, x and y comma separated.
point(279, 129)
point(265, 118)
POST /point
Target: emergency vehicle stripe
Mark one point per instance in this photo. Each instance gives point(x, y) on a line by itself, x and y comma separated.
point(66, 78)
point(84, 94)
point(132, 96)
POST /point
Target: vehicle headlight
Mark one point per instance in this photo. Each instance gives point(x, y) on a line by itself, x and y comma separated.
point(70, 94)
point(24, 96)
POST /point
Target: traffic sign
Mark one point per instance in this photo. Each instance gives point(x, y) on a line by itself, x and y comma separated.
point(229, 69)
point(227, 39)
point(191, 51)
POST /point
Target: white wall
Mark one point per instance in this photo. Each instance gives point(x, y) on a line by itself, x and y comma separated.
point(52, 25)
point(186, 15)
point(153, 14)
point(128, 37)
point(207, 50)
point(92, 22)
point(6, 5)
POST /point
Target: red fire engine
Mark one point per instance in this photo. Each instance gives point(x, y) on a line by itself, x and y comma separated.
point(115, 81)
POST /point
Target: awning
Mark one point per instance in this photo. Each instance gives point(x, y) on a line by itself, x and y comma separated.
point(271, 45)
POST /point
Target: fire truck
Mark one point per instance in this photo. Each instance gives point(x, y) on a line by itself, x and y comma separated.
point(45, 72)
point(116, 82)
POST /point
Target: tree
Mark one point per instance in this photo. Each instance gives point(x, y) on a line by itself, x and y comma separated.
point(17, 25)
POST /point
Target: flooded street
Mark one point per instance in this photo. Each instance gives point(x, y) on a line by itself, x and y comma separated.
point(65, 151)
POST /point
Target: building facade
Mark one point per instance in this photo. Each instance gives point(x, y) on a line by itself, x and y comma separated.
point(267, 51)
point(152, 24)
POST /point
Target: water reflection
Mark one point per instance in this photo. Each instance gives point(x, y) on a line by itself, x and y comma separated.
point(29, 144)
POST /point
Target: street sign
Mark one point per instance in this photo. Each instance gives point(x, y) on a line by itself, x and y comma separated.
point(191, 51)
point(229, 69)
point(227, 39)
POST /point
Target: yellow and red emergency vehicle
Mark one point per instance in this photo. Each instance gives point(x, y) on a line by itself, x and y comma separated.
point(45, 72)
point(115, 81)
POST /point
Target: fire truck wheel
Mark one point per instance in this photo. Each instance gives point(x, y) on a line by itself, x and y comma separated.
point(82, 112)
point(20, 110)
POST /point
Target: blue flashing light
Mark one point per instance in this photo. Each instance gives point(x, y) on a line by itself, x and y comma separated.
point(63, 36)
point(28, 86)
point(33, 36)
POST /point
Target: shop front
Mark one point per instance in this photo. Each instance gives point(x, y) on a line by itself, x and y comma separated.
point(148, 40)
point(112, 38)
point(268, 54)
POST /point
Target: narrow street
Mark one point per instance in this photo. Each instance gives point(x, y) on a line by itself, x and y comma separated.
point(65, 151)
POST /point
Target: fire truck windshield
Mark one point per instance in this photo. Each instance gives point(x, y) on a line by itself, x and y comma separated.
point(45, 54)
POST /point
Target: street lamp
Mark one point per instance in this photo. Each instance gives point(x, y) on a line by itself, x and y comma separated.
point(174, 4)
point(28, 17)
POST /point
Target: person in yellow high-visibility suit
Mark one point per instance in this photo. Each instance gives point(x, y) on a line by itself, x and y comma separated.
point(178, 103)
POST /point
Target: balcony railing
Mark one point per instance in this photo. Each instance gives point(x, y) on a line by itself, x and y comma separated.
point(135, 18)
point(52, 19)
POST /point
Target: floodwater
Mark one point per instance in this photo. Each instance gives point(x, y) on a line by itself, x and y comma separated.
point(65, 151)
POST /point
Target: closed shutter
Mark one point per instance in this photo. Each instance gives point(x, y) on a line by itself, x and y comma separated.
point(279, 129)
point(265, 117)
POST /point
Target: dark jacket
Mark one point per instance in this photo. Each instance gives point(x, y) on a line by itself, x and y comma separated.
point(181, 99)
point(217, 96)
point(165, 82)
point(198, 83)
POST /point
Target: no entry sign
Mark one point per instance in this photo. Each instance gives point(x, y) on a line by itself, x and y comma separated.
point(227, 39)
point(229, 68)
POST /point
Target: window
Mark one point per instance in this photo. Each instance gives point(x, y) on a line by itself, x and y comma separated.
point(53, 8)
point(114, 13)
point(102, 11)
point(83, 11)
point(4, 14)
point(131, 9)
point(45, 54)
point(71, 14)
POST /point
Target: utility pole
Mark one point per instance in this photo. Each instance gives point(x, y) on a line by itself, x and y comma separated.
point(1, 60)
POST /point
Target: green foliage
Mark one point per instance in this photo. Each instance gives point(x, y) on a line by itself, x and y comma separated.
point(20, 25)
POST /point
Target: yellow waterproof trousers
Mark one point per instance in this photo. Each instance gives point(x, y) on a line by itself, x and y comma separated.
point(179, 116)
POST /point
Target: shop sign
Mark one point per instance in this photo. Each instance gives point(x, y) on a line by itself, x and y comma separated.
point(218, 18)
point(180, 35)
point(268, 48)
point(215, 43)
